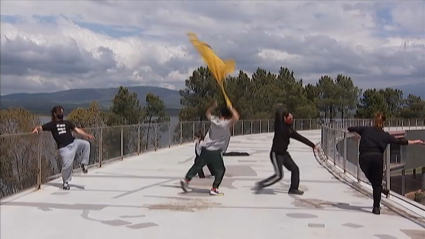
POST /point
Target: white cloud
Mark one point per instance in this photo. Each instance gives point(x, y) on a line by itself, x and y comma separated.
point(64, 44)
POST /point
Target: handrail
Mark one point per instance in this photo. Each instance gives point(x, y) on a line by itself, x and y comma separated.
point(33, 158)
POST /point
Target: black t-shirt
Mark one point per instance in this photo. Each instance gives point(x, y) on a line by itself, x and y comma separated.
point(375, 140)
point(61, 132)
point(282, 135)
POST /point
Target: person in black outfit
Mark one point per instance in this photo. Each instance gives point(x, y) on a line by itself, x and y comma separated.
point(279, 155)
point(69, 147)
point(199, 137)
point(373, 142)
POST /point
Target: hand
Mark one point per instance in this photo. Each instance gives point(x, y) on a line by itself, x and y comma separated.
point(215, 104)
point(418, 141)
point(35, 131)
point(90, 136)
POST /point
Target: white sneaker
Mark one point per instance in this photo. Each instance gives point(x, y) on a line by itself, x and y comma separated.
point(184, 185)
point(216, 192)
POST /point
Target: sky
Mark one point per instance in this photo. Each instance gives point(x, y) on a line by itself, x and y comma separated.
point(58, 45)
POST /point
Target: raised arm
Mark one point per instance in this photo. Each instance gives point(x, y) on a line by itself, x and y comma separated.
point(235, 114)
point(295, 135)
point(210, 110)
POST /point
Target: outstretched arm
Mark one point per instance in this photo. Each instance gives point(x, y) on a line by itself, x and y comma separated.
point(83, 133)
point(44, 127)
point(393, 140)
point(295, 135)
point(356, 129)
point(37, 129)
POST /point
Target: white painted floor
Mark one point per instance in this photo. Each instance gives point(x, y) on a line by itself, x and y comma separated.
point(140, 198)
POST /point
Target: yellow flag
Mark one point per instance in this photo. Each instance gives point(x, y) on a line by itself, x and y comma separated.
point(218, 67)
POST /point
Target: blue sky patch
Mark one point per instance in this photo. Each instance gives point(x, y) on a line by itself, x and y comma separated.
point(13, 19)
point(384, 16)
point(115, 31)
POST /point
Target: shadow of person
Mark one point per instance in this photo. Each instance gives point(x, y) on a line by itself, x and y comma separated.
point(60, 185)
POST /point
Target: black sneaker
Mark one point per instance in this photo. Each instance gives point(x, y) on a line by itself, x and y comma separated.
point(258, 187)
point(295, 191)
point(376, 210)
point(66, 186)
point(84, 168)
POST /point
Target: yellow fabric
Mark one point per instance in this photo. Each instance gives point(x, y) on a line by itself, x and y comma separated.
point(218, 67)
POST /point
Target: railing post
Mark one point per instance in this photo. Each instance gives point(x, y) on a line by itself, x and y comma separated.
point(242, 133)
point(181, 132)
point(193, 127)
point(156, 136)
point(423, 179)
point(344, 157)
point(39, 162)
point(122, 142)
point(387, 167)
point(233, 130)
point(260, 126)
point(101, 147)
point(310, 124)
point(169, 134)
point(358, 162)
point(403, 182)
point(138, 139)
point(268, 126)
point(334, 146)
point(250, 131)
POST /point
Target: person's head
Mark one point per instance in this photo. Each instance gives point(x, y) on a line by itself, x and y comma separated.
point(198, 135)
point(225, 113)
point(282, 114)
point(379, 120)
point(57, 113)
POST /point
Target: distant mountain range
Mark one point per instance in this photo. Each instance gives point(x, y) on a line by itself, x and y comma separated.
point(70, 99)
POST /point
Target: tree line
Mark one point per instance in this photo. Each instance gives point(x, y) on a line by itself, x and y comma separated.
point(329, 98)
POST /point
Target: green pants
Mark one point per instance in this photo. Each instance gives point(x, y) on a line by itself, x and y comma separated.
point(212, 158)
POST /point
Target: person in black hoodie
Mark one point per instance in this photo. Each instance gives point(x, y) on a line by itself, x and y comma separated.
point(373, 142)
point(279, 155)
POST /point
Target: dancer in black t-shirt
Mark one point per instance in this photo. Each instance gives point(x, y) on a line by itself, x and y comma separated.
point(373, 142)
point(69, 147)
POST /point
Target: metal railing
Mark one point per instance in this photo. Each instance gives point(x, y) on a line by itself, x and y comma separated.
point(30, 160)
point(342, 147)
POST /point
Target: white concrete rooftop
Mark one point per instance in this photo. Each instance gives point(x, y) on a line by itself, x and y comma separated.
point(140, 197)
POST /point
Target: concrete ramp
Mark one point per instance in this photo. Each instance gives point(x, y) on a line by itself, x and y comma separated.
point(140, 197)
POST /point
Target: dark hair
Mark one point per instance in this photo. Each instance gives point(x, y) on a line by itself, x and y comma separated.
point(199, 135)
point(379, 120)
point(280, 112)
point(225, 112)
point(55, 110)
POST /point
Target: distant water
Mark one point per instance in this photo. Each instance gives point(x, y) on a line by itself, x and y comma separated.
point(44, 119)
